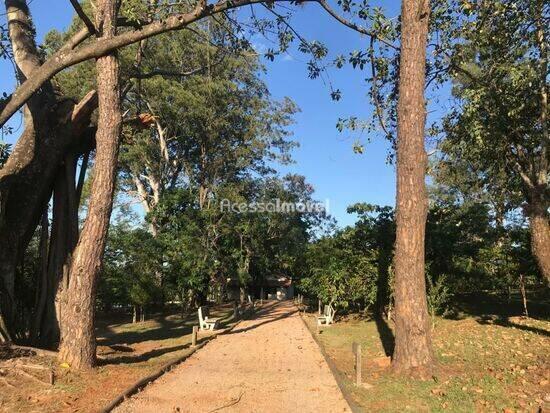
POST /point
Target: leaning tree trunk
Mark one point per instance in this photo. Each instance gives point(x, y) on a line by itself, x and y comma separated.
point(413, 348)
point(78, 344)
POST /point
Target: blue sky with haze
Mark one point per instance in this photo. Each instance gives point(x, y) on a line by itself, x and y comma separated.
point(325, 156)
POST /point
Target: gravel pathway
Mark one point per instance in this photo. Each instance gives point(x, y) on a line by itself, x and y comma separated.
point(269, 363)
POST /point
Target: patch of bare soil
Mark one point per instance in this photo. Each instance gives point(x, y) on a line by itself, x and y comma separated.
point(126, 353)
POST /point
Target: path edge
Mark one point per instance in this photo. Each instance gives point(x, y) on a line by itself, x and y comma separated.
point(338, 376)
point(145, 381)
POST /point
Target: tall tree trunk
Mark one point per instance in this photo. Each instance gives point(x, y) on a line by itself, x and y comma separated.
point(78, 345)
point(413, 348)
point(539, 194)
point(539, 226)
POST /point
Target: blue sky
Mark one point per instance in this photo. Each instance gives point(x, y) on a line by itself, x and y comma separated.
point(325, 156)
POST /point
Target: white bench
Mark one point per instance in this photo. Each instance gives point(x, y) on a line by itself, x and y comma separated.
point(205, 321)
point(328, 316)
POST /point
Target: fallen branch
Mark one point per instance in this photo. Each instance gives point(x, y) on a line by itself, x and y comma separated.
point(37, 351)
point(232, 403)
point(20, 365)
point(30, 366)
point(30, 376)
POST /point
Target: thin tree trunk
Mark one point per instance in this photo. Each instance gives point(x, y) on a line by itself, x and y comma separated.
point(135, 314)
point(58, 254)
point(78, 344)
point(413, 348)
point(523, 294)
point(43, 285)
point(63, 240)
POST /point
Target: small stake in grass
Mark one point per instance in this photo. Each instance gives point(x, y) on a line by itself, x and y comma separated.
point(357, 351)
point(194, 336)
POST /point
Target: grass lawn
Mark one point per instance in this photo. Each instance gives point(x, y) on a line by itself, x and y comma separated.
point(485, 363)
point(126, 353)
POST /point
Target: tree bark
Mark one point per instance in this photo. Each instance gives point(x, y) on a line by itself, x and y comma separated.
point(66, 199)
point(42, 285)
point(78, 345)
point(523, 295)
point(539, 218)
point(539, 226)
point(413, 348)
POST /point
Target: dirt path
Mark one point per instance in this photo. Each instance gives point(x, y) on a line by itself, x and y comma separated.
point(267, 364)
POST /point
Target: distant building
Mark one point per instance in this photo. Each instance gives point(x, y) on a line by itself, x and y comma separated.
point(272, 287)
point(278, 287)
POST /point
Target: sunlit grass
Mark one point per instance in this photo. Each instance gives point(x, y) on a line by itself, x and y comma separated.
point(482, 366)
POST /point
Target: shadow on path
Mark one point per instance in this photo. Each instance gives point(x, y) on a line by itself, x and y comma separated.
point(265, 313)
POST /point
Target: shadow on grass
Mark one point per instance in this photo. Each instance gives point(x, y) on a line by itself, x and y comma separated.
point(486, 305)
point(164, 329)
point(139, 358)
point(506, 322)
point(157, 352)
point(386, 335)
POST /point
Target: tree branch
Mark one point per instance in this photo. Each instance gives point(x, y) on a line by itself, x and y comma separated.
point(352, 25)
point(83, 17)
point(377, 105)
point(21, 35)
point(69, 55)
point(165, 73)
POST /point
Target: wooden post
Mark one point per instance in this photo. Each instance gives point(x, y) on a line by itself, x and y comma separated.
point(320, 313)
point(194, 336)
point(235, 309)
point(357, 351)
point(261, 296)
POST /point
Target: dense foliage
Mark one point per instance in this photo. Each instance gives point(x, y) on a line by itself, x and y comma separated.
point(466, 252)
